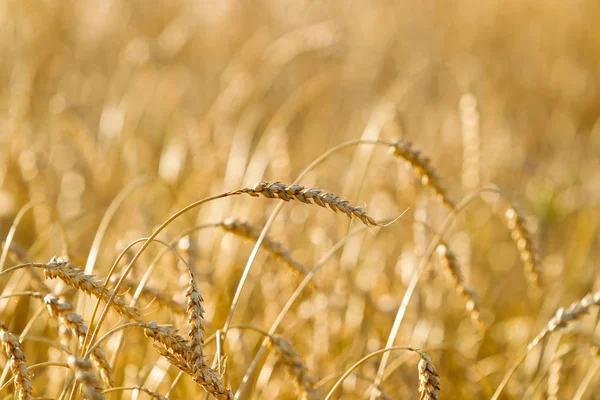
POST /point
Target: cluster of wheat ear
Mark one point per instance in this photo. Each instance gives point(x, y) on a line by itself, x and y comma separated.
point(189, 354)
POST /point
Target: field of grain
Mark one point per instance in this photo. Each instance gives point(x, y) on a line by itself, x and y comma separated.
point(293, 199)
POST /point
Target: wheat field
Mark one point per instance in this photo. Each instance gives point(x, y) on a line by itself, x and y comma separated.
point(299, 200)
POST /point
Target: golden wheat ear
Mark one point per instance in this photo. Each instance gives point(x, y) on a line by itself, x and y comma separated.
point(296, 367)
point(451, 264)
point(429, 380)
point(304, 195)
point(18, 364)
point(423, 168)
point(75, 324)
point(82, 368)
point(522, 237)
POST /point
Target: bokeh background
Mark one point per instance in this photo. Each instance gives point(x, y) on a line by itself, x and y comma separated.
point(201, 97)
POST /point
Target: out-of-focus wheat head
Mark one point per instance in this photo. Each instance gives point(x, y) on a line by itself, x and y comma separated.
point(115, 115)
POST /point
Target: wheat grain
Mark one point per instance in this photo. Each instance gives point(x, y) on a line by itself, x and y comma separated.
point(18, 364)
point(429, 380)
point(91, 387)
point(452, 266)
point(76, 325)
point(423, 168)
point(274, 190)
point(527, 251)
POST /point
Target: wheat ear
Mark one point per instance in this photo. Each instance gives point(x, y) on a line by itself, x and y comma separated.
point(195, 313)
point(295, 367)
point(91, 387)
point(452, 266)
point(203, 374)
point(527, 250)
point(166, 338)
point(75, 277)
point(18, 364)
point(561, 319)
point(319, 197)
point(429, 380)
point(73, 321)
point(245, 230)
point(423, 168)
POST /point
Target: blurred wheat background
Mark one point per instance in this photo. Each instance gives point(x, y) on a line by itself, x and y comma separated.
point(116, 114)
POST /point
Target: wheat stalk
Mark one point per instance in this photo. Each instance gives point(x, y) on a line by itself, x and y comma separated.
point(295, 366)
point(18, 364)
point(319, 197)
point(452, 266)
point(91, 387)
point(423, 168)
point(527, 251)
point(76, 325)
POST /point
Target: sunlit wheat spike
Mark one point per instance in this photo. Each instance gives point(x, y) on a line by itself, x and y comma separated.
point(195, 313)
point(245, 230)
point(429, 380)
point(452, 266)
point(295, 367)
point(90, 385)
point(177, 350)
point(527, 251)
point(73, 321)
point(18, 365)
point(308, 196)
point(167, 338)
point(423, 168)
point(75, 277)
point(563, 317)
